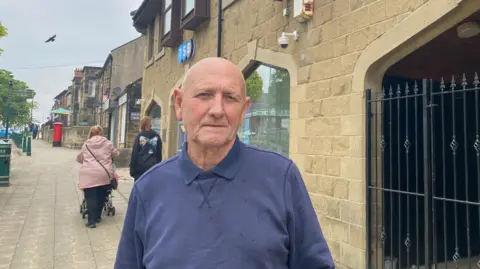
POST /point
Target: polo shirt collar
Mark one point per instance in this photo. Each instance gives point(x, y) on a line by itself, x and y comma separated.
point(227, 168)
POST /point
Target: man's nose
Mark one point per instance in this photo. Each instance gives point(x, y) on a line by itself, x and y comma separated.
point(217, 107)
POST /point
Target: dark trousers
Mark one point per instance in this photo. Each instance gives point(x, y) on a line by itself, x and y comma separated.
point(95, 198)
point(34, 135)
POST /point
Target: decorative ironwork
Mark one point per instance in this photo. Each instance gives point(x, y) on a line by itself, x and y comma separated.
point(408, 243)
point(456, 257)
point(452, 83)
point(476, 145)
point(383, 236)
point(406, 144)
point(422, 181)
point(454, 145)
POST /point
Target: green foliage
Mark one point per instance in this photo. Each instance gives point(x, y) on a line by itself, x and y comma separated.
point(3, 32)
point(279, 89)
point(254, 86)
point(20, 107)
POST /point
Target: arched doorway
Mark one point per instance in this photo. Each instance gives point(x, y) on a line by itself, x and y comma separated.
point(266, 122)
point(423, 125)
point(155, 112)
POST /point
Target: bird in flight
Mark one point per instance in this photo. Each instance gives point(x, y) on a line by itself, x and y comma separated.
point(51, 39)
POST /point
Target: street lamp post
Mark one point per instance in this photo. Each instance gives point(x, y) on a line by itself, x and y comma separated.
point(10, 83)
point(31, 109)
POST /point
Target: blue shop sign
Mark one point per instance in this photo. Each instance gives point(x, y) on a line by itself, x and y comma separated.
point(186, 51)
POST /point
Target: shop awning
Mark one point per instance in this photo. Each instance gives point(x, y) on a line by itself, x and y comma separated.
point(61, 111)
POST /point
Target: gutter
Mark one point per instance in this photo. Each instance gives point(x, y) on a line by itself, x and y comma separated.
point(220, 21)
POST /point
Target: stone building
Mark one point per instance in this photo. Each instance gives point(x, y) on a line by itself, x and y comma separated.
point(123, 66)
point(88, 97)
point(311, 104)
point(76, 95)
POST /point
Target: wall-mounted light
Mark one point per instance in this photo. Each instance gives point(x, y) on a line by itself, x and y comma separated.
point(468, 29)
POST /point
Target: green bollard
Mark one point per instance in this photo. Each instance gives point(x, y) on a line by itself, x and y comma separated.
point(29, 145)
point(24, 143)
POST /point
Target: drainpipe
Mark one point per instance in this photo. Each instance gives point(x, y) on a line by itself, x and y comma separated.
point(220, 20)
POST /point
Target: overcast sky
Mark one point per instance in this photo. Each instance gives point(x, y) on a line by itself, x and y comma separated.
point(86, 30)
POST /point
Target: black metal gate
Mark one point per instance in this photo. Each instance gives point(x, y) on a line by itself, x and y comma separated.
point(423, 174)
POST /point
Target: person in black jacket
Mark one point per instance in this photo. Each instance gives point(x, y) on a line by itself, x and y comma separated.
point(147, 149)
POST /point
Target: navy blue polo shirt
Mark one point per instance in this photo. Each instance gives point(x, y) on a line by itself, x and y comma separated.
point(252, 211)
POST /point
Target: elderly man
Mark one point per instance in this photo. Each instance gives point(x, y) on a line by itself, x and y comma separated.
point(220, 203)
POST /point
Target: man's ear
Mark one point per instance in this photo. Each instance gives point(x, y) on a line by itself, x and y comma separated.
point(245, 106)
point(178, 99)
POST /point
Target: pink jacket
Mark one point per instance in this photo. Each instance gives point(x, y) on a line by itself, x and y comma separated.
point(91, 172)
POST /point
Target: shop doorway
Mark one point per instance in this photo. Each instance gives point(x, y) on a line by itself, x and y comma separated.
point(423, 157)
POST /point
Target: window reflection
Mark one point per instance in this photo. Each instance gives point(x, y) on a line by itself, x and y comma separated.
point(189, 5)
point(266, 122)
point(167, 21)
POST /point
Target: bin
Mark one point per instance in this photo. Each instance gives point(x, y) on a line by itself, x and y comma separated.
point(57, 134)
point(5, 154)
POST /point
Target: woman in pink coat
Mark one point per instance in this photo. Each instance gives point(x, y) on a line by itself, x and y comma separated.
point(96, 158)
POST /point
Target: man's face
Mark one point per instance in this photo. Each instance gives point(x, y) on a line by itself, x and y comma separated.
point(212, 103)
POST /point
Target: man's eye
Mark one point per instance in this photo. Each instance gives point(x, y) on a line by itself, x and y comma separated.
point(231, 98)
point(203, 94)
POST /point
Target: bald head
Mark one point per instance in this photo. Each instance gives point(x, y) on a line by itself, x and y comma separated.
point(214, 66)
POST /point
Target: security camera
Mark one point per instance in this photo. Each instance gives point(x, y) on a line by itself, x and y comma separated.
point(283, 40)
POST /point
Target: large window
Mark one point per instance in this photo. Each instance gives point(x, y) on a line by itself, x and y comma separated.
point(266, 122)
point(188, 6)
point(155, 113)
point(167, 17)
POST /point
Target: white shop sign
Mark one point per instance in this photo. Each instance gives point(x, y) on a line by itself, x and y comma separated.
point(122, 100)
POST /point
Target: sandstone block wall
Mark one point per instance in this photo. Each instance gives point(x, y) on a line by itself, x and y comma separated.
point(327, 114)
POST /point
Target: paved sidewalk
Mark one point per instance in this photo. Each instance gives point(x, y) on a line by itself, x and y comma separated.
point(40, 222)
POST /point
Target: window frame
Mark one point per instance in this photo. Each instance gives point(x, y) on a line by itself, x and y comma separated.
point(163, 17)
point(197, 16)
point(175, 35)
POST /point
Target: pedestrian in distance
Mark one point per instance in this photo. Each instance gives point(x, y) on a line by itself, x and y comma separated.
point(220, 203)
point(96, 157)
point(147, 149)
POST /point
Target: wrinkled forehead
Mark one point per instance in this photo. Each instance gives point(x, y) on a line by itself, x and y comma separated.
point(214, 79)
point(214, 83)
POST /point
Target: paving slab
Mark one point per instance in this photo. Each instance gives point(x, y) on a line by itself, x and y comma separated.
point(40, 221)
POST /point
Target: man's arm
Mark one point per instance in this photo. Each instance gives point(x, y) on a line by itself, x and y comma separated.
point(130, 248)
point(308, 247)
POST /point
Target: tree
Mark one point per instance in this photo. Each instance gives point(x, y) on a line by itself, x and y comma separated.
point(20, 107)
point(279, 89)
point(254, 86)
point(3, 33)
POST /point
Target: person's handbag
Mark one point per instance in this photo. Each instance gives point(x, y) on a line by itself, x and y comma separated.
point(113, 179)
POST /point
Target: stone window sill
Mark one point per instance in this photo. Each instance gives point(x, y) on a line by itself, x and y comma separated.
point(227, 3)
point(160, 54)
point(149, 63)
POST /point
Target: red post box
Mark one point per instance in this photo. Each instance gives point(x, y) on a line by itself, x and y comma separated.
point(57, 134)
